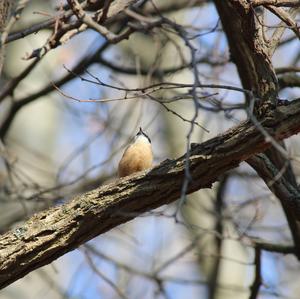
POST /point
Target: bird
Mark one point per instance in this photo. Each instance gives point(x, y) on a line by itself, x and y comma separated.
point(137, 156)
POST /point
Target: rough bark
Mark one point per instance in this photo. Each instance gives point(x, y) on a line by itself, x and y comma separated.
point(50, 234)
point(247, 48)
point(5, 7)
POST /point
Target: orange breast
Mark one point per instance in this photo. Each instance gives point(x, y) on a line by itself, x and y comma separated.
point(136, 157)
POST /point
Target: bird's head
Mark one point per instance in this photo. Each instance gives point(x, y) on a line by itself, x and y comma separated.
point(141, 136)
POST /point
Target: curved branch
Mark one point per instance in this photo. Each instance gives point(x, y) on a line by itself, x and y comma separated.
point(284, 189)
point(52, 233)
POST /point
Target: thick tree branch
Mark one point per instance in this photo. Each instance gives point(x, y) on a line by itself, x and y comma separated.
point(50, 234)
point(252, 54)
point(248, 48)
point(283, 3)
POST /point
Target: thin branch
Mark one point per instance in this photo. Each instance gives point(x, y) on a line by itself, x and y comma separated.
point(287, 18)
point(104, 277)
point(287, 193)
point(219, 206)
point(169, 7)
point(10, 86)
point(82, 16)
point(289, 80)
point(288, 69)
point(257, 279)
point(18, 104)
point(271, 247)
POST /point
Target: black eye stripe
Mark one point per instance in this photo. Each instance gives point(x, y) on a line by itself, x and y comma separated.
point(142, 133)
point(147, 137)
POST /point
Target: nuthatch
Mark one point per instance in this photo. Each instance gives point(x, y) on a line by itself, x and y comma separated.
point(137, 156)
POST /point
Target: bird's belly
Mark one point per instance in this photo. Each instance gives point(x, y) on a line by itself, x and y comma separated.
point(135, 160)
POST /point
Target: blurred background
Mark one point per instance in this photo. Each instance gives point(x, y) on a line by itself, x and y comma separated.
point(79, 111)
